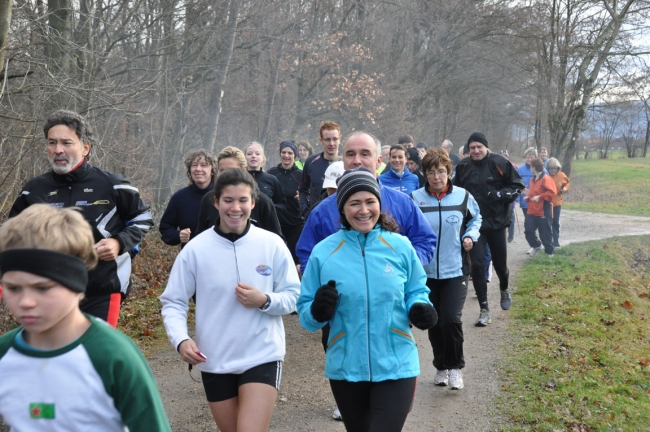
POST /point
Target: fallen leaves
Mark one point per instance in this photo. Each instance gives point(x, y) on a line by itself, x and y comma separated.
point(627, 305)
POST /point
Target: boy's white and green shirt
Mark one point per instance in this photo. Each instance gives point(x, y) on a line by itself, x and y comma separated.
point(100, 382)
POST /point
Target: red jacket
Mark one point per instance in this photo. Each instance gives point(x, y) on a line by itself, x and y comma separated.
point(544, 186)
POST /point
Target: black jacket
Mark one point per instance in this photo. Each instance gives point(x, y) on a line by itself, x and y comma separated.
point(271, 187)
point(494, 183)
point(111, 205)
point(290, 181)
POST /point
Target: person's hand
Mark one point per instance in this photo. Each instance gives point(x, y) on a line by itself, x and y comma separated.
point(535, 198)
point(190, 352)
point(298, 270)
point(185, 235)
point(249, 296)
point(107, 249)
point(297, 197)
point(526, 198)
point(563, 189)
point(468, 244)
point(324, 304)
point(423, 316)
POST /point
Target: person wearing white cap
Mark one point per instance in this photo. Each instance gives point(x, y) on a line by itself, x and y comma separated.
point(332, 174)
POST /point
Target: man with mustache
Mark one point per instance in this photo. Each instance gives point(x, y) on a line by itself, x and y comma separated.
point(110, 203)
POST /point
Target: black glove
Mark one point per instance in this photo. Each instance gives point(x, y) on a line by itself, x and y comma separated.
point(423, 316)
point(324, 304)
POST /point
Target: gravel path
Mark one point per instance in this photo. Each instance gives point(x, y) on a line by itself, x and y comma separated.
point(305, 402)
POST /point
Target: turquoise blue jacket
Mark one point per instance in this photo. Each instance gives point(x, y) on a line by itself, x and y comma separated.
point(379, 277)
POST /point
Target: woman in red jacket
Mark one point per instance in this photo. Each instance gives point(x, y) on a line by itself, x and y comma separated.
point(540, 210)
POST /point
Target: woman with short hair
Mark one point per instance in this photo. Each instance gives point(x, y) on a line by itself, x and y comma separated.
point(455, 218)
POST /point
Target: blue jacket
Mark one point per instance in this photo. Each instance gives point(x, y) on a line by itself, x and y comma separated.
point(526, 174)
point(378, 277)
point(324, 220)
point(453, 218)
point(407, 183)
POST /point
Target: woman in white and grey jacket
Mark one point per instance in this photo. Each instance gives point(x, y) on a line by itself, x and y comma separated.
point(454, 217)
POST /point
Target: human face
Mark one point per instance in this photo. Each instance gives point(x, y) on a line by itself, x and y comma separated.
point(437, 177)
point(254, 157)
point(407, 145)
point(42, 306)
point(201, 172)
point(234, 205)
point(330, 141)
point(543, 154)
point(412, 165)
point(303, 153)
point(64, 149)
point(385, 154)
point(228, 163)
point(397, 161)
point(529, 159)
point(361, 150)
point(362, 211)
point(553, 171)
point(422, 152)
point(287, 158)
point(477, 151)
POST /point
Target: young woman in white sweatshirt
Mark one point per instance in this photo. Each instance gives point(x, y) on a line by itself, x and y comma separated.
point(244, 280)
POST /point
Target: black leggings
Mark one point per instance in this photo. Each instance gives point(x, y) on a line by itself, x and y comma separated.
point(374, 406)
point(499, 249)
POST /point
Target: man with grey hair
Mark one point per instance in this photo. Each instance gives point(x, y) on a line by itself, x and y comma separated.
point(109, 203)
point(361, 149)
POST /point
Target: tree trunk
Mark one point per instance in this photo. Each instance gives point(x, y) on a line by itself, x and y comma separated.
point(5, 22)
point(274, 86)
point(60, 28)
point(214, 108)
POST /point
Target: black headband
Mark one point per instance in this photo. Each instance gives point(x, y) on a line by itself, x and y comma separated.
point(68, 270)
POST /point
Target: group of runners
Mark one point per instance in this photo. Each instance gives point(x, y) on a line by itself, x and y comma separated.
point(361, 248)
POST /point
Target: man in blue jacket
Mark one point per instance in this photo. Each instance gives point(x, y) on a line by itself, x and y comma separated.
point(360, 149)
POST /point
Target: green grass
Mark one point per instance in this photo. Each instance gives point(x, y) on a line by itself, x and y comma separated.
point(581, 353)
point(616, 186)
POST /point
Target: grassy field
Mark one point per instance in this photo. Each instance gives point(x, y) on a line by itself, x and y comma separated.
point(616, 186)
point(581, 356)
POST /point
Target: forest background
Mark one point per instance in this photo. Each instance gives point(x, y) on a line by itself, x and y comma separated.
point(157, 78)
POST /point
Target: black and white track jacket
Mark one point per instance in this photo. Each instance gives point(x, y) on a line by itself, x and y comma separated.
point(111, 205)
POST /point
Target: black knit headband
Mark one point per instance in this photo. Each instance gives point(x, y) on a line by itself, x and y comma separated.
point(68, 270)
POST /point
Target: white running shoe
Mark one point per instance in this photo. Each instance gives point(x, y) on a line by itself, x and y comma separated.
point(441, 378)
point(455, 379)
point(530, 251)
point(336, 415)
point(535, 251)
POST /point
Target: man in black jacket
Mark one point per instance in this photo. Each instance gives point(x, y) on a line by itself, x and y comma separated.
point(110, 203)
point(495, 184)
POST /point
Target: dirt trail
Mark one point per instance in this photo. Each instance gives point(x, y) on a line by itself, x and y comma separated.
point(305, 402)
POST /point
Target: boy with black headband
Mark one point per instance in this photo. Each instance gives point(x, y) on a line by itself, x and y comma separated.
point(63, 369)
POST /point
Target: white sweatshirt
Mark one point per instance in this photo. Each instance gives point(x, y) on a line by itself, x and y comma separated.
point(232, 337)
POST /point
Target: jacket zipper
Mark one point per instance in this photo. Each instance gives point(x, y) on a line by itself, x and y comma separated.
point(439, 234)
point(365, 273)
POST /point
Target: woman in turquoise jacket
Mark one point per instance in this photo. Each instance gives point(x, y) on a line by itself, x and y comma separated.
point(454, 216)
point(367, 282)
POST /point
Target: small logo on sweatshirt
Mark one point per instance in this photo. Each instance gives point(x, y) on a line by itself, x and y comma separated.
point(41, 410)
point(54, 192)
point(264, 270)
point(86, 190)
